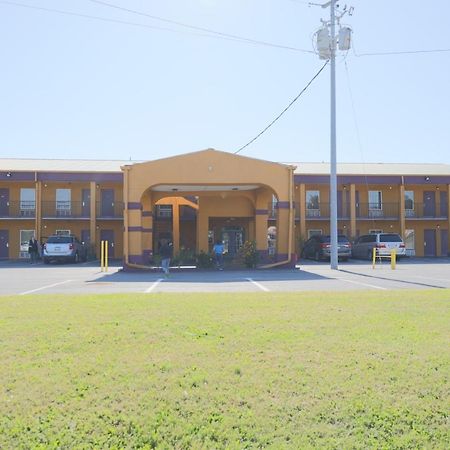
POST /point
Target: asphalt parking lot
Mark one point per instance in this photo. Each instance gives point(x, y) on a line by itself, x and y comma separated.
point(21, 278)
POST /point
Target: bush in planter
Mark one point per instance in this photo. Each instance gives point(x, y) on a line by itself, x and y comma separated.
point(248, 254)
point(186, 257)
point(204, 260)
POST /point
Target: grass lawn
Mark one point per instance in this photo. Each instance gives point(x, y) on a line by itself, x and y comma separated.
point(264, 370)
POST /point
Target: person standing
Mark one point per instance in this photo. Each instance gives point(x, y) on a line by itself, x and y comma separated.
point(33, 250)
point(165, 252)
point(218, 254)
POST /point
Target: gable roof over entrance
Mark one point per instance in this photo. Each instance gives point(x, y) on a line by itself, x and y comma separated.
point(207, 170)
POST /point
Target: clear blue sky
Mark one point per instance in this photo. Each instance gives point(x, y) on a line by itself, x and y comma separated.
point(74, 87)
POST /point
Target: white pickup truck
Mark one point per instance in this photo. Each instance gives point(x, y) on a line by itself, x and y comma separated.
point(64, 248)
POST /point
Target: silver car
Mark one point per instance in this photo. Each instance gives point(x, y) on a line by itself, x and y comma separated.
point(64, 248)
point(383, 242)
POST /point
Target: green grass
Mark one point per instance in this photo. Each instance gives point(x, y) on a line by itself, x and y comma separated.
point(309, 370)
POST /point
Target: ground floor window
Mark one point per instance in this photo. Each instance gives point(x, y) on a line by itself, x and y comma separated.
point(25, 236)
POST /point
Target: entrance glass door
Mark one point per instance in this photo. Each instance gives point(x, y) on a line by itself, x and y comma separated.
point(232, 238)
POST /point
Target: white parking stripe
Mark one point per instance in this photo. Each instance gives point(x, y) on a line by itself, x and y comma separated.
point(263, 288)
point(150, 289)
point(45, 287)
point(362, 284)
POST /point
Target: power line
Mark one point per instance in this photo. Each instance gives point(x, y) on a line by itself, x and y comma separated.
point(407, 52)
point(284, 110)
point(193, 27)
point(87, 16)
point(210, 34)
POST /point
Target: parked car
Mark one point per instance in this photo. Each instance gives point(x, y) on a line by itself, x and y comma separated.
point(319, 247)
point(64, 248)
point(383, 242)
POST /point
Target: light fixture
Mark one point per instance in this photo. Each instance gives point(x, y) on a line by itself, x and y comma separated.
point(8, 174)
point(234, 189)
point(174, 189)
point(427, 178)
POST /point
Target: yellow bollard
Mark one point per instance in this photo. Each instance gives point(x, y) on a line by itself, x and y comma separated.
point(374, 255)
point(106, 256)
point(393, 259)
point(102, 255)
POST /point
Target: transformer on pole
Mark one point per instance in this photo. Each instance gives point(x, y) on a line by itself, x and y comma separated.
point(327, 42)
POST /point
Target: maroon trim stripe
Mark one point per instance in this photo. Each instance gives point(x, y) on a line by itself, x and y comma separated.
point(134, 205)
point(134, 228)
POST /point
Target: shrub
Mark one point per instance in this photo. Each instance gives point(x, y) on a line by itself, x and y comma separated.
point(204, 260)
point(248, 254)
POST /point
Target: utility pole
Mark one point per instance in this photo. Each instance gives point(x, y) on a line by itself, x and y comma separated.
point(333, 170)
point(326, 46)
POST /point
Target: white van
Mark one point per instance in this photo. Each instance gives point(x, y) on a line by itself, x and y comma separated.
point(383, 242)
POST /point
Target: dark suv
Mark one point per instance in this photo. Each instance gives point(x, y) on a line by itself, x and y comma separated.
point(318, 247)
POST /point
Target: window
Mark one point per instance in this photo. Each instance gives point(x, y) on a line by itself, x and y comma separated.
point(63, 205)
point(314, 233)
point(25, 236)
point(409, 203)
point(375, 200)
point(164, 210)
point(312, 203)
point(375, 204)
point(27, 202)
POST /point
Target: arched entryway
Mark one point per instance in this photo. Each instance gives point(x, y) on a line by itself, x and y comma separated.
point(225, 196)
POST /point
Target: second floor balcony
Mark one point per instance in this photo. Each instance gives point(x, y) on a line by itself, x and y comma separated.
point(19, 209)
point(65, 210)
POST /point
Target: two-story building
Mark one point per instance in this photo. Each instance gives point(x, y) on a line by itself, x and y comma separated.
point(197, 198)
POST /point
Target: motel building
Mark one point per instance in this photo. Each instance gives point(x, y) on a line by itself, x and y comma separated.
point(195, 199)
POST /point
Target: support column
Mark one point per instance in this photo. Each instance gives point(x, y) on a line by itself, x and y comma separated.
point(283, 230)
point(402, 212)
point(352, 211)
point(176, 225)
point(261, 217)
point(302, 203)
point(93, 215)
point(147, 227)
point(202, 229)
point(135, 233)
point(38, 212)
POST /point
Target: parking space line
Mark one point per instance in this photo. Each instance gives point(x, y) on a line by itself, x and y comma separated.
point(263, 288)
point(150, 288)
point(45, 287)
point(362, 284)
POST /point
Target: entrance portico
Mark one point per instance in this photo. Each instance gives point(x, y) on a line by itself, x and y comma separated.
point(228, 196)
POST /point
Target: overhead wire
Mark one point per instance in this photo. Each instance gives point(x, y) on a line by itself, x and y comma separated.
point(405, 52)
point(284, 110)
point(208, 34)
point(358, 134)
point(196, 28)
